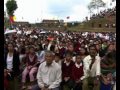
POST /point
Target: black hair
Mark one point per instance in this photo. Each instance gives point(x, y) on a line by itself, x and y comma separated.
point(69, 53)
point(86, 51)
point(11, 44)
point(78, 54)
point(57, 55)
point(93, 45)
point(31, 46)
point(51, 52)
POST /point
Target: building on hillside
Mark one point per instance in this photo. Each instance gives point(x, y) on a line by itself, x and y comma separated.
point(21, 24)
point(52, 23)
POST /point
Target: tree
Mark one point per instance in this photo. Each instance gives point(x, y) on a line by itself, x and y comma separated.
point(96, 4)
point(11, 6)
point(6, 19)
point(113, 0)
point(90, 9)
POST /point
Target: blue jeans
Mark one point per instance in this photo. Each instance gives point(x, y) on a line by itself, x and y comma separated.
point(36, 87)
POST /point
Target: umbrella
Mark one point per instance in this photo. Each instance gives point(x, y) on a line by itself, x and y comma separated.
point(43, 32)
point(10, 31)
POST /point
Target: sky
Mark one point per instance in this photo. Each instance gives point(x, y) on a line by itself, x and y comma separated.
point(34, 11)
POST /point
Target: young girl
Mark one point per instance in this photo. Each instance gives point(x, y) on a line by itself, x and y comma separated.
point(57, 59)
point(31, 61)
point(77, 73)
point(67, 65)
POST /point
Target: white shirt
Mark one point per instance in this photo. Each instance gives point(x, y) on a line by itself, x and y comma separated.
point(49, 75)
point(9, 62)
point(21, 56)
point(107, 37)
point(95, 69)
point(49, 45)
point(59, 63)
point(41, 56)
point(19, 32)
point(78, 65)
point(43, 45)
point(114, 87)
point(74, 59)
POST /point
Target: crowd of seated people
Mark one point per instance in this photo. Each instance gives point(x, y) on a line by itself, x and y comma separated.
point(59, 60)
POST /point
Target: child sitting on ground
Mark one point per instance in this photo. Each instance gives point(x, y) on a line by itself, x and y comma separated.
point(77, 73)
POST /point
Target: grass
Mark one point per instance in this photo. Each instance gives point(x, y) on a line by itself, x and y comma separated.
point(87, 26)
point(92, 29)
